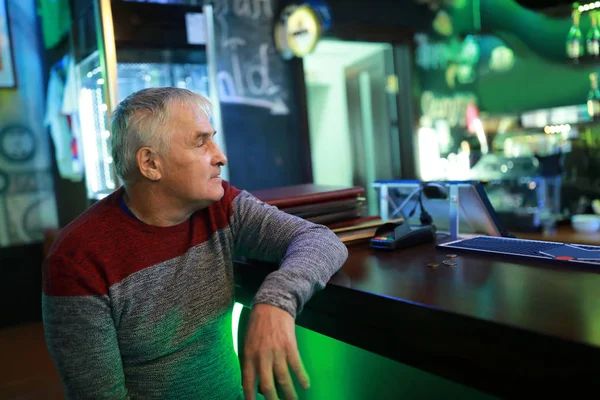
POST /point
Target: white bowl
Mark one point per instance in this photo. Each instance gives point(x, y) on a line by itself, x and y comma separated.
point(585, 222)
point(596, 206)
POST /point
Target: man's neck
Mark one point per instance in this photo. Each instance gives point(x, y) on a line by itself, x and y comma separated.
point(152, 207)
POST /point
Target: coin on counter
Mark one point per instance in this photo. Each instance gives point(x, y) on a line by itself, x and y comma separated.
point(449, 263)
point(451, 255)
point(433, 265)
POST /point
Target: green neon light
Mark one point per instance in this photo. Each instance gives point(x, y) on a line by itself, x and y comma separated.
point(235, 320)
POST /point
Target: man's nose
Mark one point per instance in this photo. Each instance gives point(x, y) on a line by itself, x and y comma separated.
point(218, 157)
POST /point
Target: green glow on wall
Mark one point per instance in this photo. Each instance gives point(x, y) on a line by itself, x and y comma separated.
point(340, 371)
point(542, 34)
point(524, 86)
point(531, 44)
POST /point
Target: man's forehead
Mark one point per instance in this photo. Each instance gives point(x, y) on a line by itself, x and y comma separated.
point(186, 109)
point(190, 115)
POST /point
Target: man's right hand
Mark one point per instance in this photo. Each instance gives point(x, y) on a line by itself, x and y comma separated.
point(270, 347)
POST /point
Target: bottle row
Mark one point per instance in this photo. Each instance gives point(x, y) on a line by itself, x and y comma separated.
point(577, 45)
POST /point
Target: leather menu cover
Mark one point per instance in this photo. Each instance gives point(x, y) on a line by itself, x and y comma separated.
point(352, 202)
point(361, 222)
point(298, 195)
point(325, 219)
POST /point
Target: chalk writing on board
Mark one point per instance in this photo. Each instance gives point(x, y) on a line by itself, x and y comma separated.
point(277, 107)
point(255, 9)
point(245, 73)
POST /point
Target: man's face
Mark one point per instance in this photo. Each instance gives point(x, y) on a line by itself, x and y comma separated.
point(192, 166)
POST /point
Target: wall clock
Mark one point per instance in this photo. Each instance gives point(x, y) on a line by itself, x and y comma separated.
point(298, 31)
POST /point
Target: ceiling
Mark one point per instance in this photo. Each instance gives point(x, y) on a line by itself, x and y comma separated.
point(546, 4)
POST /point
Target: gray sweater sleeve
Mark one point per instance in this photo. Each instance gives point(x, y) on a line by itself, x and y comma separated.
point(82, 340)
point(308, 254)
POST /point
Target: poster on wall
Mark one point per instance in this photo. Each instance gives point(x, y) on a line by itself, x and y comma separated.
point(27, 199)
point(7, 72)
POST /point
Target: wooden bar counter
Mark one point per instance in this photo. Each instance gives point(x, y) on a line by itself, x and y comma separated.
point(565, 234)
point(504, 327)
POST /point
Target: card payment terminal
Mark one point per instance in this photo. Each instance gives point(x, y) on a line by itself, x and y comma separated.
point(391, 236)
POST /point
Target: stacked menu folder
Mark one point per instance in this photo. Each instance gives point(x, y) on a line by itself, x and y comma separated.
point(320, 204)
point(342, 209)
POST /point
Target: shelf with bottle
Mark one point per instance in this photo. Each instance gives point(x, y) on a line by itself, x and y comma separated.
point(582, 49)
point(593, 98)
point(566, 119)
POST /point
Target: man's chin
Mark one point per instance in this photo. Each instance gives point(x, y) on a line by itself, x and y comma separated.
point(217, 194)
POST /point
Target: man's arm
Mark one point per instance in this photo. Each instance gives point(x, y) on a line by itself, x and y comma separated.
point(308, 254)
point(80, 332)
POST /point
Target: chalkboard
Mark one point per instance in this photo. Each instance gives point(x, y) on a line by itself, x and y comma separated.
point(265, 143)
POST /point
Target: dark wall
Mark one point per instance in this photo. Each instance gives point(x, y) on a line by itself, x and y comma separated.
point(20, 284)
point(384, 20)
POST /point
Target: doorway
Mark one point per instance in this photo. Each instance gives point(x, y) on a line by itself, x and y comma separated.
point(351, 92)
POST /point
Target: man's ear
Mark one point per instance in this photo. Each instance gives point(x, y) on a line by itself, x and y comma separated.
point(149, 163)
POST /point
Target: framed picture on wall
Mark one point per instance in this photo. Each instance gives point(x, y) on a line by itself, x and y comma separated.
point(7, 68)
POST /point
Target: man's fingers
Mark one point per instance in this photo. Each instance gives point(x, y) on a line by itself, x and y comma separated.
point(249, 379)
point(282, 373)
point(265, 380)
point(296, 364)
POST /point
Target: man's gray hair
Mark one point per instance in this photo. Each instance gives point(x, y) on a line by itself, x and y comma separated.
point(139, 120)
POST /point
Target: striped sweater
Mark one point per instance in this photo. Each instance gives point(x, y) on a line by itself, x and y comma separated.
point(138, 311)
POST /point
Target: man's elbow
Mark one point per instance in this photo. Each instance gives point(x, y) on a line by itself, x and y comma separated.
point(341, 249)
point(338, 250)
